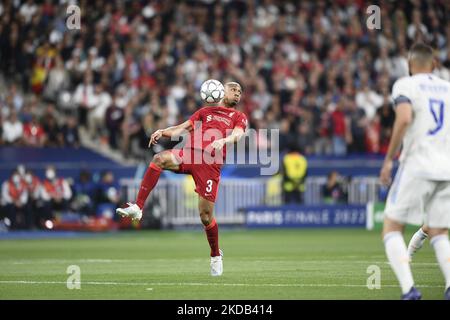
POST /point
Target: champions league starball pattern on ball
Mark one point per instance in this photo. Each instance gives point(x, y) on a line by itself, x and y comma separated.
point(212, 91)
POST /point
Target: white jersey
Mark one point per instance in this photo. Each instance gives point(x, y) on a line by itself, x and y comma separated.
point(426, 145)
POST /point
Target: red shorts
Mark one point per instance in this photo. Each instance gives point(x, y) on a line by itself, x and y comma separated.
point(206, 176)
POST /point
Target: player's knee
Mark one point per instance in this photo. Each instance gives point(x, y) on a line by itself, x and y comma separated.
point(206, 216)
point(390, 225)
point(434, 232)
point(158, 159)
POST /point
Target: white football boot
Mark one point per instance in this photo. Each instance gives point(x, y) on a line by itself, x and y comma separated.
point(132, 211)
point(217, 265)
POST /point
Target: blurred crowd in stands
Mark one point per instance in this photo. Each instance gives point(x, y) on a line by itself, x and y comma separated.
point(28, 202)
point(310, 68)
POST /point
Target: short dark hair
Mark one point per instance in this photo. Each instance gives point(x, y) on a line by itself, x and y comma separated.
point(293, 146)
point(332, 172)
point(233, 83)
point(421, 53)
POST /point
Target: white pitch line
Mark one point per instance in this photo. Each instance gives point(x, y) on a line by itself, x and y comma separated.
point(54, 261)
point(63, 261)
point(200, 284)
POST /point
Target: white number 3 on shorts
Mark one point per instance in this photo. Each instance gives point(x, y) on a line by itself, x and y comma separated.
point(209, 185)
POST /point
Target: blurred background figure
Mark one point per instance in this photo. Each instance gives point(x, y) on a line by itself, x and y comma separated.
point(385, 118)
point(340, 128)
point(84, 97)
point(108, 194)
point(114, 117)
point(34, 188)
point(96, 118)
point(52, 130)
point(34, 134)
point(56, 194)
point(84, 194)
point(70, 134)
point(294, 171)
point(333, 191)
point(15, 202)
point(12, 130)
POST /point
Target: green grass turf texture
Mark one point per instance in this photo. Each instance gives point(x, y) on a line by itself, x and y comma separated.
point(258, 264)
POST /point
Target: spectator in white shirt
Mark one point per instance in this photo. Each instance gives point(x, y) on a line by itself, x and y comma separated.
point(27, 10)
point(101, 102)
point(417, 29)
point(15, 201)
point(12, 129)
point(368, 99)
point(84, 97)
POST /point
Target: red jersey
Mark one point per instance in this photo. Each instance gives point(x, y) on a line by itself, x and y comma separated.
point(216, 123)
point(33, 134)
point(339, 126)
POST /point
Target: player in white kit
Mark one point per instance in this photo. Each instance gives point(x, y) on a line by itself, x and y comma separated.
point(420, 192)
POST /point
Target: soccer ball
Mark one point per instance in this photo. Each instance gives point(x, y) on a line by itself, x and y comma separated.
point(212, 91)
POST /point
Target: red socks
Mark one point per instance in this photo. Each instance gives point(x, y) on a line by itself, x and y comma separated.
point(148, 183)
point(212, 233)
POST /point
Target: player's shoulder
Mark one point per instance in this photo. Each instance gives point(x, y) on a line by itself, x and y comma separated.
point(440, 81)
point(418, 81)
point(404, 86)
point(202, 108)
point(240, 113)
point(405, 81)
point(212, 108)
point(231, 112)
point(239, 116)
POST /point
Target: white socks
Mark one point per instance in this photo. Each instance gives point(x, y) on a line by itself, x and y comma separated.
point(416, 242)
point(441, 246)
point(399, 259)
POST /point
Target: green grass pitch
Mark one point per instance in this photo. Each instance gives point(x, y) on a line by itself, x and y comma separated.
point(258, 264)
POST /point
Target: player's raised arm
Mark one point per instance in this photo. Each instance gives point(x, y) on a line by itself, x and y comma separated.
point(170, 132)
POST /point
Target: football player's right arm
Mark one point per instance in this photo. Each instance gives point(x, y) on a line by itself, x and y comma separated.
point(402, 95)
point(403, 118)
point(171, 131)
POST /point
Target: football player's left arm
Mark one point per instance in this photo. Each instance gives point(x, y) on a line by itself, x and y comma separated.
point(235, 136)
point(403, 118)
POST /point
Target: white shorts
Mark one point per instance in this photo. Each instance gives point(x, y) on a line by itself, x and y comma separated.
point(416, 200)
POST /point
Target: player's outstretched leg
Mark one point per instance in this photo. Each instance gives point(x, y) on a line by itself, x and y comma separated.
point(398, 258)
point(417, 241)
point(441, 245)
point(162, 160)
point(206, 208)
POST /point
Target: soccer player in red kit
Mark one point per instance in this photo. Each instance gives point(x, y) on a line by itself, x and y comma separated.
point(200, 159)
